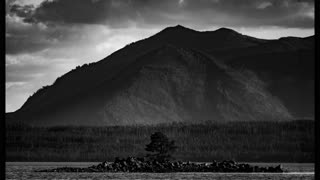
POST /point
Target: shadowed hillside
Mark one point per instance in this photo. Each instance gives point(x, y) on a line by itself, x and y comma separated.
point(181, 75)
point(294, 70)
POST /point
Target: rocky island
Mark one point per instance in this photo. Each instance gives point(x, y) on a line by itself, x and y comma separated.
point(161, 162)
point(132, 164)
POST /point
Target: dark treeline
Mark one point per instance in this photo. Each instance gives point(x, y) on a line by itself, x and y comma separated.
point(239, 141)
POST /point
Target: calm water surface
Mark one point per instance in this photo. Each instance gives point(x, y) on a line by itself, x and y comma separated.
point(25, 170)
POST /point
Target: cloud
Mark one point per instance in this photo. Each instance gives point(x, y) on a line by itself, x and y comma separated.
point(29, 67)
point(264, 5)
point(25, 37)
point(41, 24)
point(50, 23)
point(119, 13)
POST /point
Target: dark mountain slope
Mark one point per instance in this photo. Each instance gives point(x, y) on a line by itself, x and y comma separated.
point(169, 85)
point(289, 75)
point(169, 77)
point(83, 79)
point(287, 67)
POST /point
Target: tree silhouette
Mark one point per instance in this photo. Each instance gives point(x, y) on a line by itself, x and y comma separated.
point(161, 146)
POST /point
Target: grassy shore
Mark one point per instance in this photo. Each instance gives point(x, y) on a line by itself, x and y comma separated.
point(241, 141)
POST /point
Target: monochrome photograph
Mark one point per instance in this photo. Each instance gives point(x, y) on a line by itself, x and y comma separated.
point(160, 89)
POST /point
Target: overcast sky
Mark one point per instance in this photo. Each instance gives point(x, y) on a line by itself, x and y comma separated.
point(47, 38)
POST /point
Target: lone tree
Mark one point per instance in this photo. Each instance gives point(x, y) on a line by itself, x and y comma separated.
point(161, 146)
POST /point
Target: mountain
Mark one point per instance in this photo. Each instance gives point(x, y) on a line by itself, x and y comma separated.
point(182, 75)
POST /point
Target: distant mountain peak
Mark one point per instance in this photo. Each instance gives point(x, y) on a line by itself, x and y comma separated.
point(178, 27)
point(226, 30)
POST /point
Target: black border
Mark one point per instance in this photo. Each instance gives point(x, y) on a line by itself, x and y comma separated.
point(317, 91)
point(2, 65)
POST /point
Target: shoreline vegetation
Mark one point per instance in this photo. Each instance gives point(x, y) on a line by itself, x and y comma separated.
point(290, 141)
point(159, 160)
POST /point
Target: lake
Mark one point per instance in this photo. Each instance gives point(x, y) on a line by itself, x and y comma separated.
point(25, 170)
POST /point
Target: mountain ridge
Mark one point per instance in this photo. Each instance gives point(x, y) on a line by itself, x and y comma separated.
point(84, 80)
